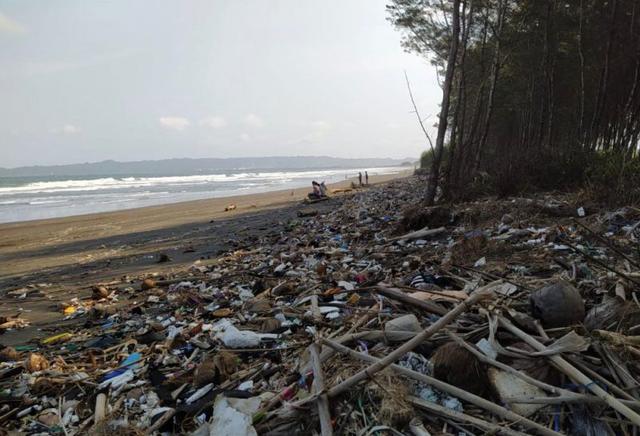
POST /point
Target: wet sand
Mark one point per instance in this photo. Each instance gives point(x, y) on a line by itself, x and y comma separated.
point(57, 259)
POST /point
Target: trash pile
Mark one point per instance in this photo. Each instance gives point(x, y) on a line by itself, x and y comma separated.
point(516, 316)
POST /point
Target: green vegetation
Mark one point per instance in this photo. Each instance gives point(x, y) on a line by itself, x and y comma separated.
point(544, 93)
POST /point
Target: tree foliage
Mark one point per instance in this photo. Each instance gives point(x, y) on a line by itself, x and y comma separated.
point(541, 89)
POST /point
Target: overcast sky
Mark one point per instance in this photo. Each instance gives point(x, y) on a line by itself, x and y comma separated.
point(84, 81)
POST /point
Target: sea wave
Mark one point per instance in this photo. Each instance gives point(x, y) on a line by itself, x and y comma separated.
point(55, 198)
point(116, 183)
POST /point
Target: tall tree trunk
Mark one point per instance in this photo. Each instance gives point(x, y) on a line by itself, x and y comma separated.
point(551, 79)
point(459, 115)
point(434, 175)
point(581, 133)
point(495, 69)
point(469, 141)
point(604, 80)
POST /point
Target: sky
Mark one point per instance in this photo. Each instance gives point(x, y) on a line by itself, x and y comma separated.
point(88, 81)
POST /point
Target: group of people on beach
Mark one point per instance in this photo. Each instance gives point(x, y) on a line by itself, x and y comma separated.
point(319, 190)
point(366, 178)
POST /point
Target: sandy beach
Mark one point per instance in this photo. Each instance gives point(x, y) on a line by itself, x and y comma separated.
point(58, 259)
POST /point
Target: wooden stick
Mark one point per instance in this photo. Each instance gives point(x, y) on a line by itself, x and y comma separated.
point(409, 345)
point(396, 294)
point(318, 387)
point(450, 389)
point(574, 373)
point(463, 417)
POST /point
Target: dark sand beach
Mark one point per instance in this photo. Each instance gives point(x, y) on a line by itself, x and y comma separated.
point(47, 262)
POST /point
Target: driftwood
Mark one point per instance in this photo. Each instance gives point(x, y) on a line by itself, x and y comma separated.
point(450, 389)
point(410, 344)
point(318, 388)
point(574, 373)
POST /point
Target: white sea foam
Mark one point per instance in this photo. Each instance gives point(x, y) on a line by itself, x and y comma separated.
point(46, 199)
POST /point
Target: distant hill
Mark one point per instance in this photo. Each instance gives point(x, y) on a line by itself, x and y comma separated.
point(197, 166)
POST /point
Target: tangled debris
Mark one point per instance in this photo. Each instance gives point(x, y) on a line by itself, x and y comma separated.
point(503, 316)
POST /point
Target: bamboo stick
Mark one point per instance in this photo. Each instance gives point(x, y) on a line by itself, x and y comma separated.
point(318, 387)
point(564, 394)
point(450, 389)
point(486, 359)
point(613, 387)
point(566, 399)
point(463, 417)
point(400, 296)
point(574, 373)
point(410, 344)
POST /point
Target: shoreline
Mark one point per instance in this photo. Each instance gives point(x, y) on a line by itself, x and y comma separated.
point(53, 261)
point(29, 246)
point(244, 202)
point(42, 200)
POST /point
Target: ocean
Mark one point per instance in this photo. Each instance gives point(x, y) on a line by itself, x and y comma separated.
point(32, 198)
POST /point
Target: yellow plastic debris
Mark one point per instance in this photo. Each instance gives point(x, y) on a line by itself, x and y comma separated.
point(69, 310)
point(57, 338)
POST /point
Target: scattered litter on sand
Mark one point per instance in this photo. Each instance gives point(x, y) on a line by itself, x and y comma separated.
point(489, 316)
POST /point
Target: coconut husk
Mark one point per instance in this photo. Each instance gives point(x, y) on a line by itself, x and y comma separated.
point(557, 305)
point(391, 391)
point(535, 367)
point(49, 419)
point(226, 364)
point(418, 217)
point(470, 248)
point(258, 305)
point(99, 292)
point(613, 313)
point(36, 362)
point(456, 365)
point(205, 373)
point(269, 325)
point(104, 428)
point(148, 284)
point(9, 354)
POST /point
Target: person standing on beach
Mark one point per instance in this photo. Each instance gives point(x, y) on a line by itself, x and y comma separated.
point(366, 178)
point(360, 177)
